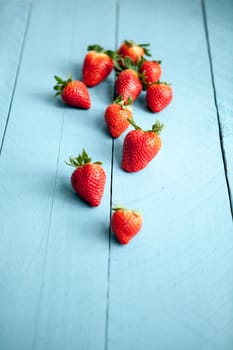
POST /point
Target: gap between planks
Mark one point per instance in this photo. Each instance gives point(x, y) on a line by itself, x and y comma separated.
point(16, 76)
point(117, 16)
point(205, 21)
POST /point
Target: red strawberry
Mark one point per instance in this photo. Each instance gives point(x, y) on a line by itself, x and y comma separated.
point(151, 71)
point(97, 65)
point(73, 92)
point(88, 179)
point(140, 147)
point(125, 224)
point(117, 115)
point(128, 83)
point(135, 51)
point(158, 96)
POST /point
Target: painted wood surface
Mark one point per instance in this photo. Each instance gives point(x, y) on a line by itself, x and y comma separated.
point(12, 35)
point(75, 273)
point(65, 283)
point(168, 282)
point(54, 248)
point(220, 28)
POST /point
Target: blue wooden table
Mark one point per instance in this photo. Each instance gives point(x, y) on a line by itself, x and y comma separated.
point(65, 282)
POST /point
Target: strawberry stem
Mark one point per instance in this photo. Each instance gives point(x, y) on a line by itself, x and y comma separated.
point(156, 127)
point(132, 122)
point(80, 160)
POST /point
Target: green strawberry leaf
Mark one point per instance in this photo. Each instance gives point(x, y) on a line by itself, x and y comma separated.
point(80, 160)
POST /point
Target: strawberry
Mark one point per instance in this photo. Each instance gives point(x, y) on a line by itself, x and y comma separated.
point(88, 179)
point(140, 147)
point(117, 115)
point(128, 83)
point(73, 92)
point(135, 51)
point(158, 96)
point(125, 224)
point(151, 71)
point(97, 65)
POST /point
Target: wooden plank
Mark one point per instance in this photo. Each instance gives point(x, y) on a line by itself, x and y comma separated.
point(220, 35)
point(53, 248)
point(13, 21)
point(172, 286)
point(73, 303)
point(27, 175)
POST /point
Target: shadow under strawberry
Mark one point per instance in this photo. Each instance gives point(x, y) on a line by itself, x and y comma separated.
point(45, 97)
point(74, 68)
point(118, 151)
point(140, 103)
point(69, 195)
point(102, 94)
point(102, 234)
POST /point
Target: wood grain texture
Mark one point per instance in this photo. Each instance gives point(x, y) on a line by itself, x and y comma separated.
point(54, 248)
point(13, 22)
point(73, 301)
point(28, 168)
point(173, 283)
point(63, 285)
point(220, 31)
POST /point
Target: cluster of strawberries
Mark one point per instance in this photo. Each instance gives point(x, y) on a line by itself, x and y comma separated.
point(134, 74)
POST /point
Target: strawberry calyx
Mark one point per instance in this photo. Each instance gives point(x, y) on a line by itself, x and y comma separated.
point(155, 61)
point(127, 63)
point(157, 127)
point(118, 207)
point(96, 48)
point(99, 49)
point(124, 104)
point(112, 54)
point(131, 43)
point(61, 84)
point(81, 160)
point(161, 83)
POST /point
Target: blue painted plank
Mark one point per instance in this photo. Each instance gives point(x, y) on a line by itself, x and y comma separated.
point(220, 30)
point(27, 175)
point(54, 248)
point(13, 21)
point(172, 286)
point(73, 303)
